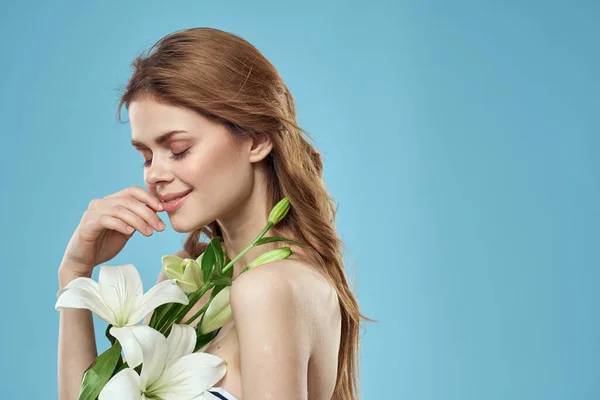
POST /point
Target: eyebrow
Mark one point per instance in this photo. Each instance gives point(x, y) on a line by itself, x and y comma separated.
point(159, 140)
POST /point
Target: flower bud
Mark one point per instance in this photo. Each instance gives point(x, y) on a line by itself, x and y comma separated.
point(218, 312)
point(279, 211)
point(270, 256)
point(185, 272)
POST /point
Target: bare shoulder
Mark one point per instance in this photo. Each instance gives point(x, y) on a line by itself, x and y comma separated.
point(287, 322)
point(295, 279)
point(291, 288)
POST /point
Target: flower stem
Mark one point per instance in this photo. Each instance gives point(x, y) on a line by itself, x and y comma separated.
point(175, 313)
point(158, 316)
point(178, 316)
point(200, 312)
point(248, 248)
point(173, 308)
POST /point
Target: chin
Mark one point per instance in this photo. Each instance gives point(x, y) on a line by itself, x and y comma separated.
point(183, 227)
point(181, 230)
point(187, 224)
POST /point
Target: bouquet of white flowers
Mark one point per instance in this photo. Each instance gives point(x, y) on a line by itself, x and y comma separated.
point(161, 359)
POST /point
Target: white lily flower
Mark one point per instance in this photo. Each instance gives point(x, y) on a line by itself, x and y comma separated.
point(170, 368)
point(118, 297)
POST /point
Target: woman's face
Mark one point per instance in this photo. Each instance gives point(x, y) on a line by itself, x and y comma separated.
point(202, 158)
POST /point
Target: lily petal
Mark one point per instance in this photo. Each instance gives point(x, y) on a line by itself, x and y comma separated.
point(125, 385)
point(193, 273)
point(85, 293)
point(120, 287)
point(164, 292)
point(83, 283)
point(173, 262)
point(154, 353)
point(131, 347)
point(189, 376)
point(173, 273)
point(186, 287)
point(180, 342)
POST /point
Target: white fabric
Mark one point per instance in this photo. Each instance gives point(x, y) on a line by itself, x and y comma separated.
point(223, 392)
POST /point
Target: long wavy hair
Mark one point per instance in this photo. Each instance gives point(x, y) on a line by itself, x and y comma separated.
point(227, 80)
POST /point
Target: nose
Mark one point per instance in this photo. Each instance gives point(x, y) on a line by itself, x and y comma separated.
point(157, 172)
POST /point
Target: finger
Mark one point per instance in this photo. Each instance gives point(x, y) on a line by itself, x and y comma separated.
point(131, 218)
point(110, 222)
point(146, 197)
point(144, 212)
point(140, 194)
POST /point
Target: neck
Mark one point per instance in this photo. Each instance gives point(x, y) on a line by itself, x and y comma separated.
point(243, 224)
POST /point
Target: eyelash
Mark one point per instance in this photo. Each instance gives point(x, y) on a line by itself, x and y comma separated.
point(175, 156)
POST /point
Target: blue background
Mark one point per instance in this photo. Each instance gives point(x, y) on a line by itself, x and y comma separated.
point(460, 138)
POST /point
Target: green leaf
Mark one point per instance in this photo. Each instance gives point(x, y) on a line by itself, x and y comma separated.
point(120, 367)
point(99, 373)
point(224, 281)
point(229, 272)
point(110, 337)
point(164, 312)
point(207, 263)
point(202, 340)
point(158, 313)
point(269, 239)
point(219, 253)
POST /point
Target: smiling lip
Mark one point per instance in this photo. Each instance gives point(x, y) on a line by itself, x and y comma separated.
point(171, 196)
point(174, 205)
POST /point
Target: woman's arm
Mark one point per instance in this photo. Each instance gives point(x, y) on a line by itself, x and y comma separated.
point(273, 332)
point(76, 342)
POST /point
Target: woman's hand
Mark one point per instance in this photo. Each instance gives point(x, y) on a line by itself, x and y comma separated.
point(107, 225)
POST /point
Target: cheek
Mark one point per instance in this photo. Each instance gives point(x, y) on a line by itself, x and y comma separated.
point(220, 170)
point(221, 182)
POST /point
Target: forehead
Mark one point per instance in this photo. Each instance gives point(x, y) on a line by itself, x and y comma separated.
point(149, 118)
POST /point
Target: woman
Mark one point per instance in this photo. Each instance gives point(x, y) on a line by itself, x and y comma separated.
point(217, 129)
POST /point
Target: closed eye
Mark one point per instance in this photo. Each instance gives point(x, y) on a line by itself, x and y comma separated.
point(174, 156)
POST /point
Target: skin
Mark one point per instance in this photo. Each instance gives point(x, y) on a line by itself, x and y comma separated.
point(284, 337)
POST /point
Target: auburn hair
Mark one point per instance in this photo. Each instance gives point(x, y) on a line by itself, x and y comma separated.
point(227, 80)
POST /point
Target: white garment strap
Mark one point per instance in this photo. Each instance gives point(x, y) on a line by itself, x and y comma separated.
point(224, 393)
